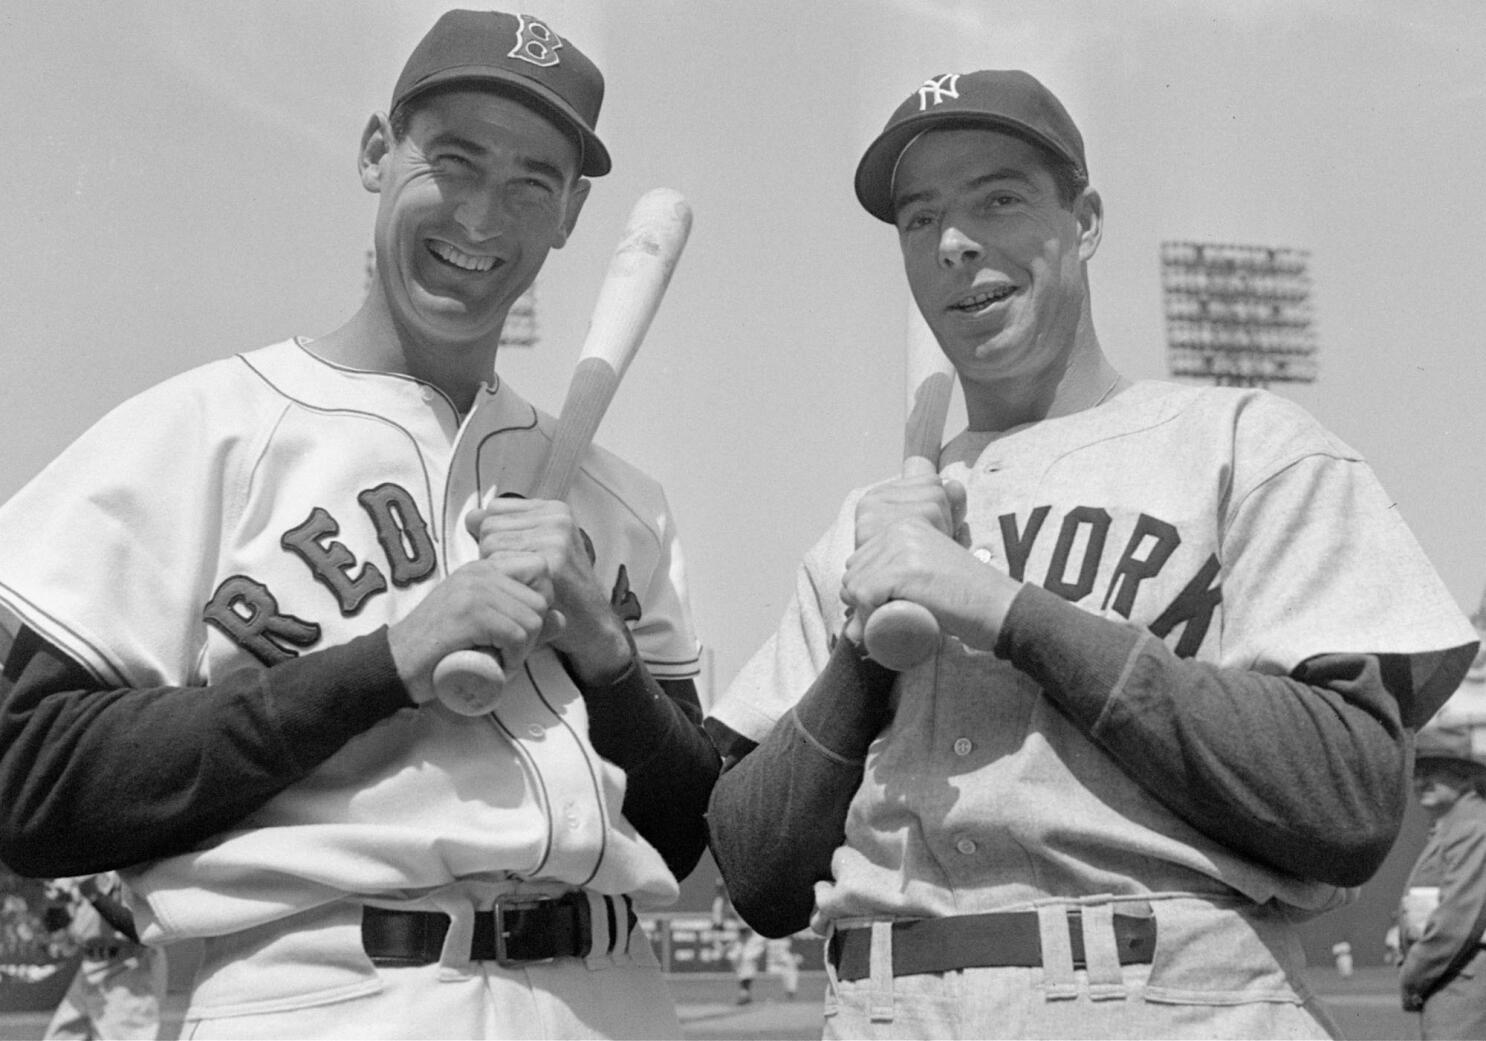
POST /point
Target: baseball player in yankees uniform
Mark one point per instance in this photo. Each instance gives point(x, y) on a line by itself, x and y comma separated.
point(233, 591)
point(1185, 635)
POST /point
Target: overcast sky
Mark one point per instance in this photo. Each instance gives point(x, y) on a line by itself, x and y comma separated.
point(180, 185)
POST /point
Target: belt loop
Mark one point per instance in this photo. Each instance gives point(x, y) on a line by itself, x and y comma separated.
point(454, 960)
point(624, 915)
point(880, 1001)
point(601, 921)
point(1057, 952)
point(1101, 953)
point(832, 997)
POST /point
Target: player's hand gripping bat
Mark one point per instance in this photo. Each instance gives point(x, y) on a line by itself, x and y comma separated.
point(901, 634)
point(470, 681)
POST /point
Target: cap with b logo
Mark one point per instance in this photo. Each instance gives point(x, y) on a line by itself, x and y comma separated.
point(998, 99)
point(517, 55)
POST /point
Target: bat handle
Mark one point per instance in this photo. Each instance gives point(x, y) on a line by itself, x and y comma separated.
point(901, 635)
point(470, 682)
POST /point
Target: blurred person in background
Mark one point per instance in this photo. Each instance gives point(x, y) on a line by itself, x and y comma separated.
point(1443, 911)
point(120, 983)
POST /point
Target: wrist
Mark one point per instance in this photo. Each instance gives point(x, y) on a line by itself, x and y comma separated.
point(980, 606)
point(600, 654)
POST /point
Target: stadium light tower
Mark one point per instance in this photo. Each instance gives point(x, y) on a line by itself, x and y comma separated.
point(1239, 316)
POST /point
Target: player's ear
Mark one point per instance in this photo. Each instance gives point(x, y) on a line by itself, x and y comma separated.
point(1088, 210)
point(376, 146)
point(576, 198)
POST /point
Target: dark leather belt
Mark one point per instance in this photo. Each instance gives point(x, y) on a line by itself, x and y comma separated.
point(517, 931)
point(999, 940)
point(98, 950)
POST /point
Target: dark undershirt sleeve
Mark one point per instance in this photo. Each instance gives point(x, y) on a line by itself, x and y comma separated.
point(652, 730)
point(778, 813)
point(95, 779)
point(1305, 772)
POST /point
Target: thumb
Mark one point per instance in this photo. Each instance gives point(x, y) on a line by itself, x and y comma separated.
point(919, 466)
point(473, 518)
point(955, 492)
point(553, 626)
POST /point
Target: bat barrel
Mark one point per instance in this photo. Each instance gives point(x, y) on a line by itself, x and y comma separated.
point(901, 634)
point(470, 682)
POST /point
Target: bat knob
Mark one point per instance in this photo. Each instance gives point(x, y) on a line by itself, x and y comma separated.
point(470, 682)
point(901, 635)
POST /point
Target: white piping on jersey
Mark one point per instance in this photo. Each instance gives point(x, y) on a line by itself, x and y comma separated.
point(84, 650)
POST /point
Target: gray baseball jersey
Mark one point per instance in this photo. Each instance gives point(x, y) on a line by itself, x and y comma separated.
point(1226, 523)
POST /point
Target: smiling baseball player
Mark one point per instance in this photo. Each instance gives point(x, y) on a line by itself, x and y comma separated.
point(234, 590)
point(1185, 634)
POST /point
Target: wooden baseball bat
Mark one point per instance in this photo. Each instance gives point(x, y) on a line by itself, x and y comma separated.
point(901, 634)
point(470, 681)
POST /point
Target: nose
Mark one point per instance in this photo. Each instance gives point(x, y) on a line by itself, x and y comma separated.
point(481, 213)
point(956, 248)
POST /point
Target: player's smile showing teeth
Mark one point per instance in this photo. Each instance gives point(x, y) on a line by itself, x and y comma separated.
point(983, 299)
point(460, 259)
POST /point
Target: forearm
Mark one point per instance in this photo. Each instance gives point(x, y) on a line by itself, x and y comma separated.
point(1303, 772)
point(654, 733)
point(779, 813)
point(96, 779)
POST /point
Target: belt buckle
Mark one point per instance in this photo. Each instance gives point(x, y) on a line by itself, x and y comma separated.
point(498, 913)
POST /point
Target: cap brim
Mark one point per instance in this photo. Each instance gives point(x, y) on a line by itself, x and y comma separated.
point(594, 158)
point(874, 176)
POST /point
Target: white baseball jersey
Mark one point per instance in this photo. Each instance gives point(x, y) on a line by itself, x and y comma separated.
point(1227, 523)
point(263, 506)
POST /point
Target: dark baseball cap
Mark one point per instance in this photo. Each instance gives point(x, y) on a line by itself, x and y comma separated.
point(1009, 100)
point(520, 56)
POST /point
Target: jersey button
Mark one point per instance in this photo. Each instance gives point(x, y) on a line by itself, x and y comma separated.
point(963, 746)
point(966, 846)
point(982, 554)
point(534, 729)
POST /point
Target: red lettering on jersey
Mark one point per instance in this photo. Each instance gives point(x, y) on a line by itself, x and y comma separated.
point(402, 532)
point(331, 562)
point(626, 605)
point(248, 615)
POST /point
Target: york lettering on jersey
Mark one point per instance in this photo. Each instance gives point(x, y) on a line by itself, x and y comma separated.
point(1081, 543)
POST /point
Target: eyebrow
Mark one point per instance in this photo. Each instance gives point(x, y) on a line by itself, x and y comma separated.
point(1005, 173)
point(450, 138)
